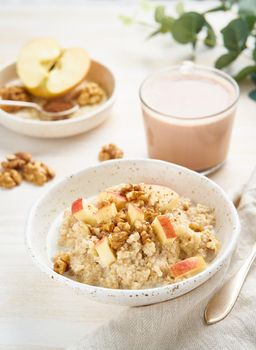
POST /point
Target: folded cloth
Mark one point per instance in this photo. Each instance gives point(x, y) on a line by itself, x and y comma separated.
point(178, 324)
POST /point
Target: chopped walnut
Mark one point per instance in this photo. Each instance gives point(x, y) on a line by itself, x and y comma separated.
point(145, 231)
point(150, 214)
point(96, 231)
point(10, 178)
point(14, 93)
point(107, 227)
point(117, 239)
point(196, 227)
point(124, 226)
point(135, 193)
point(61, 263)
point(145, 237)
point(110, 151)
point(92, 94)
point(126, 188)
point(37, 173)
point(120, 217)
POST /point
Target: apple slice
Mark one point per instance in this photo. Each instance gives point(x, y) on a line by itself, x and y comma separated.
point(119, 200)
point(36, 59)
point(134, 213)
point(164, 229)
point(49, 71)
point(106, 213)
point(105, 253)
point(70, 69)
point(188, 267)
point(166, 198)
point(83, 211)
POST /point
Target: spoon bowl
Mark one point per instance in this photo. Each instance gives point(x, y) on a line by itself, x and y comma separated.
point(44, 114)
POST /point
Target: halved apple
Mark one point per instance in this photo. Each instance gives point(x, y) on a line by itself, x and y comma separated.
point(105, 253)
point(106, 213)
point(48, 71)
point(164, 229)
point(119, 200)
point(134, 213)
point(188, 267)
point(84, 211)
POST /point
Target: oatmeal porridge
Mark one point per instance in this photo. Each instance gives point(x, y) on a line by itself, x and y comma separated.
point(135, 236)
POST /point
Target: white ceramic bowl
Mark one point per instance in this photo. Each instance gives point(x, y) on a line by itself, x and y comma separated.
point(62, 128)
point(90, 181)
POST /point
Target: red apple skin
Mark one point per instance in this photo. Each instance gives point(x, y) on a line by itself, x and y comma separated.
point(167, 226)
point(191, 265)
point(77, 205)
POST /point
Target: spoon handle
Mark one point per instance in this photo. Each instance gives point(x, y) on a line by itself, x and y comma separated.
point(223, 300)
point(19, 104)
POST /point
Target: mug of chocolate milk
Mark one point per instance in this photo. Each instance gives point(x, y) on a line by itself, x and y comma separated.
point(188, 115)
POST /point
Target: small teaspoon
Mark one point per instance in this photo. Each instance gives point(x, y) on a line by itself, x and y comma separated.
point(46, 115)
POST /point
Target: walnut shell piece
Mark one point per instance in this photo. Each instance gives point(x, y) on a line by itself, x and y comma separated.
point(37, 173)
point(110, 151)
point(10, 178)
point(14, 93)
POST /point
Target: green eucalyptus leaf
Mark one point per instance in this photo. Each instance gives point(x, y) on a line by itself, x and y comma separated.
point(146, 5)
point(166, 24)
point(247, 7)
point(235, 34)
point(252, 95)
point(251, 20)
point(156, 32)
point(253, 78)
point(217, 8)
point(179, 8)
point(245, 72)
point(254, 53)
point(126, 20)
point(226, 59)
point(159, 13)
point(187, 26)
point(210, 39)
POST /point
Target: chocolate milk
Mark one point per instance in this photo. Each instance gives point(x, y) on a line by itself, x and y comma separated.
point(188, 115)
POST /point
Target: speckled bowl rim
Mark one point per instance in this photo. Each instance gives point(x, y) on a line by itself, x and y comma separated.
point(88, 115)
point(215, 266)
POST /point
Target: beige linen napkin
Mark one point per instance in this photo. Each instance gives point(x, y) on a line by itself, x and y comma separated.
point(178, 324)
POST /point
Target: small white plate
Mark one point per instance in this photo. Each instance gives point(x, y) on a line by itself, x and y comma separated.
point(63, 128)
point(90, 181)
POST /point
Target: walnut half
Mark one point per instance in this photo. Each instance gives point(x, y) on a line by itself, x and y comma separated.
point(14, 93)
point(10, 178)
point(37, 172)
point(110, 151)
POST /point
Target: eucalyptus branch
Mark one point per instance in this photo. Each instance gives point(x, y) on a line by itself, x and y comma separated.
point(185, 28)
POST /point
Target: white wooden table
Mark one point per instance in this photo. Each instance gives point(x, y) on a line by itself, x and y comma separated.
point(35, 312)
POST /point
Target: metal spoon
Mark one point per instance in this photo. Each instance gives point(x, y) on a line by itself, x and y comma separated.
point(46, 115)
point(223, 301)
